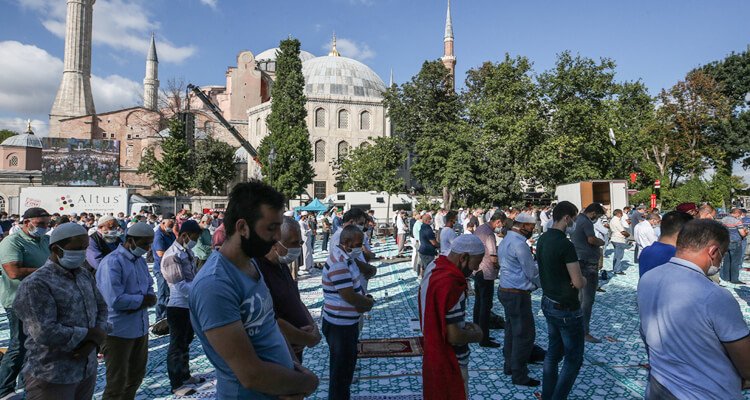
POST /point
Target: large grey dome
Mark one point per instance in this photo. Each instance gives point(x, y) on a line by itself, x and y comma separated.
point(341, 76)
point(270, 55)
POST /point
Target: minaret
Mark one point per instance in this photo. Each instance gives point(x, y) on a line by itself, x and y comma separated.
point(390, 81)
point(151, 82)
point(334, 52)
point(449, 59)
point(74, 95)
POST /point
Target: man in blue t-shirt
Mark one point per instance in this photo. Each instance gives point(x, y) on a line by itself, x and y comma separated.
point(231, 309)
point(427, 243)
point(163, 239)
point(663, 250)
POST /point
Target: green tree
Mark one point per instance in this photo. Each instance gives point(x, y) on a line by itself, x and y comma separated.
point(374, 167)
point(504, 107)
point(6, 133)
point(214, 166)
point(172, 170)
point(292, 170)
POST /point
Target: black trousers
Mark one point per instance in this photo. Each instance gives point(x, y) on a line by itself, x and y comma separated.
point(483, 291)
point(520, 334)
point(342, 341)
point(180, 337)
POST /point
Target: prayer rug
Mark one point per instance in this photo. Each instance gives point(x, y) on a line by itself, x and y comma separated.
point(391, 347)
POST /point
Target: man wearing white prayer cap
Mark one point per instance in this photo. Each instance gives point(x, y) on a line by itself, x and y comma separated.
point(61, 346)
point(104, 239)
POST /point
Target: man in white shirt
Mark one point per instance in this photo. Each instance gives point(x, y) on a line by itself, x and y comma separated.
point(448, 233)
point(619, 238)
point(644, 232)
point(307, 238)
point(401, 230)
point(544, 218)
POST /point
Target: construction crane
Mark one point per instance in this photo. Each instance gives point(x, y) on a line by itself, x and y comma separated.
point(217, 113)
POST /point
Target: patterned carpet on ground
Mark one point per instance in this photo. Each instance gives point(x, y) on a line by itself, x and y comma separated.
point(611, 370)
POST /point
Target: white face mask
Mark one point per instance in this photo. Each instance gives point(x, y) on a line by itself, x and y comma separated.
point(72, 259)
point(713, 269)
point(291, 255)
point(571, 228)
point(191, 244)
point(355, 253)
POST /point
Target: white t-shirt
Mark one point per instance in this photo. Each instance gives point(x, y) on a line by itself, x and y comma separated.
point(644, 234)
point(446, 237)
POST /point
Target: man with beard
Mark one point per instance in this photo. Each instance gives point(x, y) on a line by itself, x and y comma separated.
point(104, 241)
point(442, 307)
point(231, 308)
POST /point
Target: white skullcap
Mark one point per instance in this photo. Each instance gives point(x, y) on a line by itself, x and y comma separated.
point(65, 231)
point(104, 219)
point(141, 229)
point(303, 213)
point(467, 244)
point(524, 218)
point(289, 213)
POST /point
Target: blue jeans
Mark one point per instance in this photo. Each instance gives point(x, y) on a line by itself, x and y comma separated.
point(12, 361)
point(162, 294)
point(342, 341)
point(730, 267)
point(565, 330)
point(617, 261)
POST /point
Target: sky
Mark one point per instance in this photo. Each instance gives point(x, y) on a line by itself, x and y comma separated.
point(657, 42)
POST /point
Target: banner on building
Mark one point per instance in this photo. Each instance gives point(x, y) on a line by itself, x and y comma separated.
point(80, 162)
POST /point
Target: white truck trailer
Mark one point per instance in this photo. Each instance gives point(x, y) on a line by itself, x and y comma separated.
point(383, 204)
point(613, 194)
point(97, 200)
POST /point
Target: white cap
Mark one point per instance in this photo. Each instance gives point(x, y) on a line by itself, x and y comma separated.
point(65, 231)
point(524, 218)
point(104, 219)
point(467, 244)
point(289, 213)
point(141, 229)
point(303, 213)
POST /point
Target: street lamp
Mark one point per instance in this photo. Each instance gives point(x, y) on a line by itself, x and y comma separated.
point(271, 159)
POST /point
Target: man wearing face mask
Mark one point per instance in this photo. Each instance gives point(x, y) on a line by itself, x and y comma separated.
point(519, 276)
point(179, 268)
point(128, 290)
point(644, 233)
point(20, 255)
point(104, 241)
point(442, 316)
point(163, 238)
point(307, 238)
point(65, 317)
point(231, 309)
point(358, 218)
point(484, 279)
point(588, 248)
point(698, 340)
point(295, 321)
point(344, 301)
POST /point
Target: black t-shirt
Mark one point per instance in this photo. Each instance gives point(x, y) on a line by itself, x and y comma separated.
point(554, 251)
point(287, 304)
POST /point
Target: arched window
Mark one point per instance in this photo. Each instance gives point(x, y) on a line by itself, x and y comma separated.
point(2, 204)
point(257, 127)
point(343, 149)
point(343, 119)
point(364, 121)
point(320, 118)
point(14, 161)
point(364, 145)
point(320, 151)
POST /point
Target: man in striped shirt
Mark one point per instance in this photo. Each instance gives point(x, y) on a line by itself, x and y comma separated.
point(344, 300)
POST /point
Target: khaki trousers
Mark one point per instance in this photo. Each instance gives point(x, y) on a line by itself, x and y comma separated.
point(126, 366)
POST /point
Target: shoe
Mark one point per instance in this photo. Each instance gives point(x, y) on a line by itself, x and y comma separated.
point(591, 339)
point(739, 283)
point(601, 290)
point(619, 273)
point(491, 344)
point(194, 381)
point(160, 328)
point(531, 382)
point(183, 391)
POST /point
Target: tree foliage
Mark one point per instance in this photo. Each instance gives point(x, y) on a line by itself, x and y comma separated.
point(6, 133)
point(373, 167)
point(172, 171)
point(214, 166)
point(291, 171)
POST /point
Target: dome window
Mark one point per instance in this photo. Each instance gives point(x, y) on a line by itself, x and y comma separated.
point(257, 127)
point(343, 119)
point(364, 121)
point(13, 161)
point(320, 151)
point(343, 149)
point(320, 118)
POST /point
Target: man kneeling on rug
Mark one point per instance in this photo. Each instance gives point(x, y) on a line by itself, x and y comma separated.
point(442, 306)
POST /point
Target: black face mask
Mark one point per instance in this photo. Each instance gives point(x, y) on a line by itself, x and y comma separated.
point(255, 246)
point(525, 233)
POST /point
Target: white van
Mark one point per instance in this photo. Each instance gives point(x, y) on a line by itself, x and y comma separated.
point(384, 205)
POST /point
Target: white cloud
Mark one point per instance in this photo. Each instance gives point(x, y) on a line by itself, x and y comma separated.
point(41, 128)
point(210, 3)
point(119, 24)
point(31, 76)
point(349, 48)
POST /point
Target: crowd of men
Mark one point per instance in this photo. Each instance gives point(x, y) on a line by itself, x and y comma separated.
point(78, 287)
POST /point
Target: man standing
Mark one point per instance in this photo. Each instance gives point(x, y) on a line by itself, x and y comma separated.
point(746, 222)
point(203, 248)
point(294, 320)
point(307, 249)
point(401, 231)
point(662, 251)
point(65, 317)
point(416, 227)
point(588, 248)
point(484, 278)
point(20, 255)
point(127, 288)
point(104, 241)
point(344, 301)
point(448, 234)
point(619, 238)
point(231, 308)
point(442, 314)
point(163, 238)
point(730, 271)
point(178, 267)
point(519, 276)
point(561, 279)
point(427, 244)
point(644, 232)
point(337, 222)
point(698, 341)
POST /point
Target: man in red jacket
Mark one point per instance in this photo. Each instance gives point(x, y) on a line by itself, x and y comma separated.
point(442, 308)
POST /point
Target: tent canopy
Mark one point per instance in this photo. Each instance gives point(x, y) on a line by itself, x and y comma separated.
point(315, 206)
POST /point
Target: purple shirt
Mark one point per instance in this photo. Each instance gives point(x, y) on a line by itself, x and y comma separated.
point(487, 235)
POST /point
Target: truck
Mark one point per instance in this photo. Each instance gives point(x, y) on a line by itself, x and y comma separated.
point(382, 203)
point(67, 200)
point(612, 194)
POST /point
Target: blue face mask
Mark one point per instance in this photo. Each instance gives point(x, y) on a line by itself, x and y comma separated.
point(72, 259)
point(37, 231)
